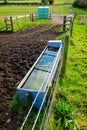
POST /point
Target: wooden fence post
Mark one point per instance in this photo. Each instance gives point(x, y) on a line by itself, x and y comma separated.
point(5, 20)
point(8, 23)
point(64, 23)
point(32, 17)
point(11, 22)
point(66, 42)
point(50, 15)
point(17, 21)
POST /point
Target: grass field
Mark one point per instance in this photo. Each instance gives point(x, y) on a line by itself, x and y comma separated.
point(76, 72)
point(22, 10)
point(73, 87)
point(16, 10)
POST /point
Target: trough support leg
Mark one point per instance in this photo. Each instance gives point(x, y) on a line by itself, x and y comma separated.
point(28, 100)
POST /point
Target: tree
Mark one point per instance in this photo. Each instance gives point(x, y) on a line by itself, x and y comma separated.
point(51, 2)
point(80, 3)
point(45, 2)
point(5, 1)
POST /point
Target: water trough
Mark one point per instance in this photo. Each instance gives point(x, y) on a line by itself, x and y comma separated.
point(41, 74)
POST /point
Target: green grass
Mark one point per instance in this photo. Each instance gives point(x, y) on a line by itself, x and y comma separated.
point(17, 10)
point(15, 105)
point(59, 9)
point(79, 11)
point(63, 1)
point(74, 85)
point(67, 9)
point(22, 10)
point(64, 116)
point(25, 23)
point(2, 25)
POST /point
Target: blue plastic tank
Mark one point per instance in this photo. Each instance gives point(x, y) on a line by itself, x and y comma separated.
point(43, 12)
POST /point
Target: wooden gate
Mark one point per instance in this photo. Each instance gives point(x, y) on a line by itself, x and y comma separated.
point(8, 23)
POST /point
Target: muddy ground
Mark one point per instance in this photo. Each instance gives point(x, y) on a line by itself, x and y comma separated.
point(18, 52)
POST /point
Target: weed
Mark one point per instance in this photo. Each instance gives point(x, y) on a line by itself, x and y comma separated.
point(41, 41)
point(64, 116)
point(15, 105)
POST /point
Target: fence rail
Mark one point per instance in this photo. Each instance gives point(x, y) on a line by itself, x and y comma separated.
point(67, 21)
point(9, 21)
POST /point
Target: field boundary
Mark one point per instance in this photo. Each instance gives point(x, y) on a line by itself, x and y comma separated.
point(31, 3)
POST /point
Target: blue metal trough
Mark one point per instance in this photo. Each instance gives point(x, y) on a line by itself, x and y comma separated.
point(41, 74)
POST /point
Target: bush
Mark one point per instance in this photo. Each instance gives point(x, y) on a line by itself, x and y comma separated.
point(15, 105)
point(51, 2)
point(75, 4)
point(80, 3)
point(64, 116)
point(44, 2)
